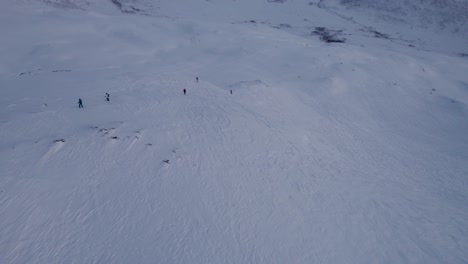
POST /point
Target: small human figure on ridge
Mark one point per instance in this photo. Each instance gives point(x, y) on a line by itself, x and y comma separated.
point(107, 97)
point(80, 103)
point(197, 79)
point(185, 91)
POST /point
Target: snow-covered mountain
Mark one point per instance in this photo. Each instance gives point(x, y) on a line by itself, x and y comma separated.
point(317, 132)
point(426, 24)
point(443, 15)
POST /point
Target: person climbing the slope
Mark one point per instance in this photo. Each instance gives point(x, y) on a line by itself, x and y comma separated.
point(185, 91)
point(80, 103)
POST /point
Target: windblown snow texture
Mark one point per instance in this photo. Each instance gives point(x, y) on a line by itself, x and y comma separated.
point(325, 152)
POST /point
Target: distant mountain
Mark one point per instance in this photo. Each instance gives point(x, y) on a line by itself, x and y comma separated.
point(449, 15)
point(440, 15)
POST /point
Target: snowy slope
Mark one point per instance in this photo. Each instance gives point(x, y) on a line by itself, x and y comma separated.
point(324, 153)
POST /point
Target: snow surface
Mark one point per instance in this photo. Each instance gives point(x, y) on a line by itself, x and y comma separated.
point(324, 153)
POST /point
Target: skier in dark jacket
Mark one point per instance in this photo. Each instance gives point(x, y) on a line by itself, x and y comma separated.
point(80, 103)
point(107, 97)
point(185, 91)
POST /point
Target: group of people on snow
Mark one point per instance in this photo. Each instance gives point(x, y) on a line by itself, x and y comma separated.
point(80, 102)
